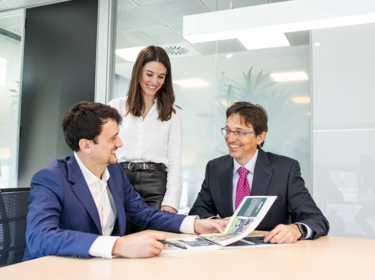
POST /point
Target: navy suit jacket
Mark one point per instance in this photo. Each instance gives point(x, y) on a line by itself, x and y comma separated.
point(274, 175)
point(63, 219)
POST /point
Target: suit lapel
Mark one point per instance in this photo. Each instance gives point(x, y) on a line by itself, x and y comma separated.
point(225, 175)
point(119, 206)
point(82, 191)
point(262, 175)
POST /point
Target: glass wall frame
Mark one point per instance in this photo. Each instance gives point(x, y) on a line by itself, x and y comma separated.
point(11, 57)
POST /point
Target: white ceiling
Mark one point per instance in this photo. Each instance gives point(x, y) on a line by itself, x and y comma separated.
point(14, 4)
point(159, 22)
point(11, 19)
point(154, 22)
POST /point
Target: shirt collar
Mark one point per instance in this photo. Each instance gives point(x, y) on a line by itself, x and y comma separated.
point(250, 165)
point(87, 174)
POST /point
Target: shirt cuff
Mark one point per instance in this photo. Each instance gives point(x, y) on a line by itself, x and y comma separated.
point(102, 247)
point(309, 231)
point(187, 225)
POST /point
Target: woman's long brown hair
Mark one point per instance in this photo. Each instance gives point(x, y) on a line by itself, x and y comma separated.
point(165, 95)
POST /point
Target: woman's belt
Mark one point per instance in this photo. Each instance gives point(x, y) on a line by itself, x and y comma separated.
point(147, 166)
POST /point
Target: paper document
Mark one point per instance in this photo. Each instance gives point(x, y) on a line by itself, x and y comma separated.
point(247, 217)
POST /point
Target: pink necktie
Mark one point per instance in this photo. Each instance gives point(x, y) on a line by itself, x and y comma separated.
point(243, 187)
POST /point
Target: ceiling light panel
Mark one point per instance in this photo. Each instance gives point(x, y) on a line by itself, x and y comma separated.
point(264, 40)
point(130, 54)
point(289, 76)
point(191, 83)
point(303, 99)
point(218, 5)
point(282, 17)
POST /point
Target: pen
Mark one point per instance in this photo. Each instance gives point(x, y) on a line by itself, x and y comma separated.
point(181, 246)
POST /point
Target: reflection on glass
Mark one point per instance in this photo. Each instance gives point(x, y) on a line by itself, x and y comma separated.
point(11, 27)
point(209, 77)
point(344, 129)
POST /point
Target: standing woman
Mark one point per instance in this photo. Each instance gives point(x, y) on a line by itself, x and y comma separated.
point(151, 132)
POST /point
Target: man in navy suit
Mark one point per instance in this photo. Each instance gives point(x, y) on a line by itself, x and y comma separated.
point(248, 170)
point(79, 204)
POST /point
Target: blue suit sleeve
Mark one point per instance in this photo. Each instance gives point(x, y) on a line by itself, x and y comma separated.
point(43, 236)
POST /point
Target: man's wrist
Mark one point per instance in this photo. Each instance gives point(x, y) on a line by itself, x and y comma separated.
point(302, 230)
point(103, 247)
point(115, 247)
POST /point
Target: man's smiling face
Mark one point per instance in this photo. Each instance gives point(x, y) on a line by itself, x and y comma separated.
point(244, 147)
point(107, 143)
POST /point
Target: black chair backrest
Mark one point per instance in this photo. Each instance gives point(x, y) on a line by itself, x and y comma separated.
point(14, 204)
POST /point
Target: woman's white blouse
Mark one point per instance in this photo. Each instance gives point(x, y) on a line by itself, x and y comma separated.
point(152, 140)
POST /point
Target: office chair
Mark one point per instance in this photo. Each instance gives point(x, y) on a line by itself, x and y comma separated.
point(14, 205)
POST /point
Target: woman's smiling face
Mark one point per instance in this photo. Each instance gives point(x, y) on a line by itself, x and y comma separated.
point(152, 77)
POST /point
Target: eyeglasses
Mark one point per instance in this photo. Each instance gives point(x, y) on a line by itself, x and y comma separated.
point(237, 134)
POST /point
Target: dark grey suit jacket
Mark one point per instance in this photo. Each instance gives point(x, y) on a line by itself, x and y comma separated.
point(273, 175)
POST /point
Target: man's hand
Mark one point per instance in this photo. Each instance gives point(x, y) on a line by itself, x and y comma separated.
point(283, 234)
point(209, 226)
point(168, 208)
point(140, 245)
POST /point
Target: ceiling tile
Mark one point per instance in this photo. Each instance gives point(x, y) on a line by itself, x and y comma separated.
point(122, 42)
point(27, 3)
point(125, 3)
point(224, 46)
point(224, 4)
point(12, 21)
point(156, 36)
point(179, 28)
point(149, 1)
point(172, 12)
point(4, 7)
point(133, 18)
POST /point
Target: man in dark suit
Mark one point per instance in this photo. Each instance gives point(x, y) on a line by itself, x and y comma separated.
point(248, 170)
point(79, 204)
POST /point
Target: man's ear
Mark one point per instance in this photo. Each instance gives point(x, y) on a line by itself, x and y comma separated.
point(85, 145)
point(261, 137)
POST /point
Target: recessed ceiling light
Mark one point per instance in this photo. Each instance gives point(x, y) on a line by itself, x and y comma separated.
point(264, 40)
point(229, 55)
point(306, 15)
point(303, 99)
point(191, 83)
point(317, 44)
point(130, 54)
point(289, 76)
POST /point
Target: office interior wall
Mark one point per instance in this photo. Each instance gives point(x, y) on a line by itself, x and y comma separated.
point(58, 71)
point(11, 31)
point(344, 128)
point(222, 66)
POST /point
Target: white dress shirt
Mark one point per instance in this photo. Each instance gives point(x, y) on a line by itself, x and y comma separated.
point(151, 140)
point(250, 165)
point(102, 246)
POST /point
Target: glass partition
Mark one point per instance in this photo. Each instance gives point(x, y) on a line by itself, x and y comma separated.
point(227, 72)
point(344, 128)
point(11, 30)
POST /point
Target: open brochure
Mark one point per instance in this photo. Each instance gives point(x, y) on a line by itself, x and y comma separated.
point(246, 218)
point(193, 244)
